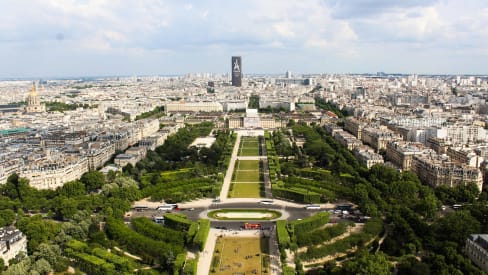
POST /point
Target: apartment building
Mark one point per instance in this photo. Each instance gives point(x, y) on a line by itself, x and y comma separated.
point(401, 153)
point(436, 170)
point(347, 140)
point(477, 250)
point(378, 138)
point(12, 242)
point(54, 174)
point(367, 156)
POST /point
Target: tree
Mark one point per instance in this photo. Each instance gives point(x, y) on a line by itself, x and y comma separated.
point(93, 180)
point(411, 266)
point(2, 265)
point(456, 227)
point(7, 217)
point(42, 266)
point(72, 189)
point(366, 263)
point(50, 253)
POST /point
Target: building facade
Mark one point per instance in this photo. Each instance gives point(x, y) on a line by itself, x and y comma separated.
point(12, 242)
point(477, 250)
point(236, 69)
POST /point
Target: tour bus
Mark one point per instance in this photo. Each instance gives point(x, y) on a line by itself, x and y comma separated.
point(312, 207)
point(167, 207)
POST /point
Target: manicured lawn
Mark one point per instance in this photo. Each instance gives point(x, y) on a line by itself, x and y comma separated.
point(234, 255)
point(248, 152)
point(245, 190)
point(247, 165)
point(246, 176)
point(249, 146)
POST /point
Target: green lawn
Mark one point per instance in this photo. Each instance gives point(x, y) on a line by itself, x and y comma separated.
point(246, 176)
point(248, 152)
point(249, 146)
point(245, 190)
point(231, 256)
point(247, 165)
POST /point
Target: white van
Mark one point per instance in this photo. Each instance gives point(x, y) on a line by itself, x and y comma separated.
point(268, 202)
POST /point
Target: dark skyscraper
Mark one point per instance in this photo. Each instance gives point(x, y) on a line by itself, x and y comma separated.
point(236, 71)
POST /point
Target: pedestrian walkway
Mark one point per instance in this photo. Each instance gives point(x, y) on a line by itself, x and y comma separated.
point(224, 192)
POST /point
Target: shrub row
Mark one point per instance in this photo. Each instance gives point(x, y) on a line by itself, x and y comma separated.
point(202, 233)
point(157, 232)
point(295, 194)
point(121, 263)
point(150, 250)
point(311, 223)
point(314, 237)
point(177, 221)
point(282, 234)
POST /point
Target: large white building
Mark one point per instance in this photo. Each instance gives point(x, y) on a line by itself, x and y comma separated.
point(195, 107)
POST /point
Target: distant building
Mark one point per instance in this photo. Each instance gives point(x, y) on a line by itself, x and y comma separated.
point(477, 250)
point(193, 107)
point(34, 105)
point(236, 66)
point(12, 242)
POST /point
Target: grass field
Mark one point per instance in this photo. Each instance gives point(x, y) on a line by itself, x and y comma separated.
point(234, 255)
point(246, 183)
point(246, 176)
point(249, 146)
point(246, 190)
point(247, 165)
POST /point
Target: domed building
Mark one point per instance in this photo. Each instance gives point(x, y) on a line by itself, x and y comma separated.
point(34, 105)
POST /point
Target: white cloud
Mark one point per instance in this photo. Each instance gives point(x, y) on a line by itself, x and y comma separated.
point(335, 28)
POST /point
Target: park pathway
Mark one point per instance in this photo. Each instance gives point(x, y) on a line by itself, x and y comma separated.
point(224, 192)
point(205, 257)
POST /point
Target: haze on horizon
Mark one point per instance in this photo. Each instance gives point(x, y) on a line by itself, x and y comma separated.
point(59, 38)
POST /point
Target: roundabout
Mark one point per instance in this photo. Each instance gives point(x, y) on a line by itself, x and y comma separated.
point(232, 214)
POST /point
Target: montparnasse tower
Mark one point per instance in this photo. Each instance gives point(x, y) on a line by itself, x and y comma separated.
point(34, 105)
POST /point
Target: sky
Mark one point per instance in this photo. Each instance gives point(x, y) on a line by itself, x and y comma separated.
point(62, 38)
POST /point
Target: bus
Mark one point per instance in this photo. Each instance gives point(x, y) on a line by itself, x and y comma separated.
point(312, 207)
point(167, 207)
point(140, 208)
point(266, 202)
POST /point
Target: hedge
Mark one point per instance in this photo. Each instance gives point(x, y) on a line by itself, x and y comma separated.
point(177, 221)
point(92, 264)
point(121, 263)
point(150, 250)
point(282, 234)
point(288, 270)
point(295, 194)
point(77, 246)
point(314, 237)
point(202, 233)
point(191, 266)
point(371, 229)
point(178, 263)
point(157, 232)
point(310, 223)
point(191, 232)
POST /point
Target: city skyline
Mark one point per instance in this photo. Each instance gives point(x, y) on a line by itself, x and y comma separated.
point(101, 38)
